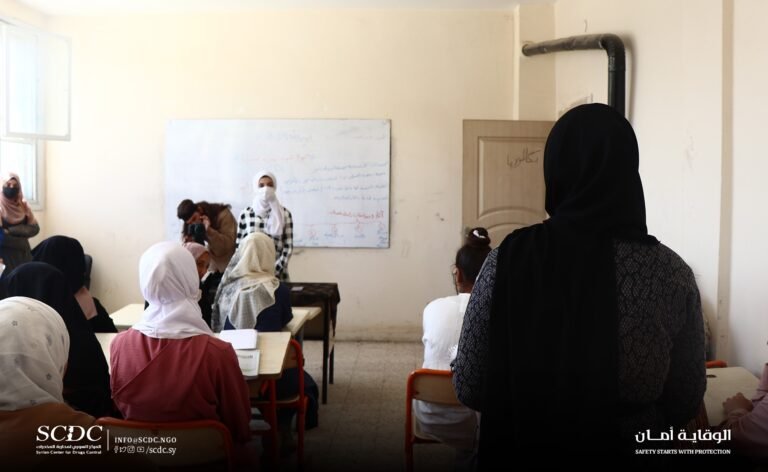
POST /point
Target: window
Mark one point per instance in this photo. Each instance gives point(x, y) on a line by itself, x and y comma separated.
point(35, 101)
point(22, 156)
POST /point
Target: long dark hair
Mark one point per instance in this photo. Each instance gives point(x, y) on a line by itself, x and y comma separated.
point(470, 257)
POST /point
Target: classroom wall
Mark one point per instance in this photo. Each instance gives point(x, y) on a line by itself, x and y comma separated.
point(748, 299)
point(695, 107)
point(12, 10)
point(425, 70)
point(674, 103)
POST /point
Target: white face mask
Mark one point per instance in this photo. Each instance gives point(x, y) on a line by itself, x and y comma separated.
point(265, 194)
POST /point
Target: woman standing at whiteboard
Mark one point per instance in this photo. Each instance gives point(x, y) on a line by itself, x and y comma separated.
point(267, 216)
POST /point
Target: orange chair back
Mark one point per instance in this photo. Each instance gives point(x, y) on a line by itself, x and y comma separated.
point(196, 445)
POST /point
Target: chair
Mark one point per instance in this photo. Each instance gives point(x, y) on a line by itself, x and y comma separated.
point(429, 385)
point(199, 445)
point(294, 359)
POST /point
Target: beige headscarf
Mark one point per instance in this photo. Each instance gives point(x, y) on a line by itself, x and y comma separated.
point(248, 285)
point(34, 347)
point(168, 280)
point(14, 210)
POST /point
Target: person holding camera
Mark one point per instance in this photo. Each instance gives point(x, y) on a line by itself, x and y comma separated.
point(211, 223)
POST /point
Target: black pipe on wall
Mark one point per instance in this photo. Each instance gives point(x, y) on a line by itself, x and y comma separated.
point(613, 46)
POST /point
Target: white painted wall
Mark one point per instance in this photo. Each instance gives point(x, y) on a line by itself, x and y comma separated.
point(425, 70)
point(12, 10)
point(674, 103)
point(748, 305)
point(696, 108)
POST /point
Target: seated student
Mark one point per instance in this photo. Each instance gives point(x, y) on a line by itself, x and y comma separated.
point(208, 284)
point(169, 367)
point(453, 425)
point(34, 357)
point(67, 255)
point(748, 421)
point(86, 383)
point(250, 296)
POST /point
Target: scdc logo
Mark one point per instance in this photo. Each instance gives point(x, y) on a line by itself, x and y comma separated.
point(69, 433)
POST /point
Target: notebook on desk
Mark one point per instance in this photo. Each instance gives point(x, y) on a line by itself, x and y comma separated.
point(249, 361)
point(240, 338)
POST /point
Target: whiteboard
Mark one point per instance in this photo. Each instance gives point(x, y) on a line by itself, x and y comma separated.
point(333, 175)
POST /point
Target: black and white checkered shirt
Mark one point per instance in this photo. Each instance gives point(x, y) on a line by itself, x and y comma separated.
point(249, 223)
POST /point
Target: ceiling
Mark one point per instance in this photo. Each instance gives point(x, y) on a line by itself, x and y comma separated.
point(107, 7)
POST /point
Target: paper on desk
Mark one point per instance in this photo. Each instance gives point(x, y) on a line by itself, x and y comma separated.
point(249, 361)
point(240, 338)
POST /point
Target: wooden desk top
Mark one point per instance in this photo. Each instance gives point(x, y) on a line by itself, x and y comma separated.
point(723, 383)
point(127, 316)
point(273, 348)
point(300, 316)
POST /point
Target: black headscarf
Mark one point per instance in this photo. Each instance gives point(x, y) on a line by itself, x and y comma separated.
point(86, 381)
point(552, 382)
point(67, 255)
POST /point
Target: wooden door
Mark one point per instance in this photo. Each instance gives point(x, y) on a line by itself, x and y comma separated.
point(503, 178)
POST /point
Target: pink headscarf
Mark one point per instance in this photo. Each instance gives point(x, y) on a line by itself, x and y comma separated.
point(14, 210)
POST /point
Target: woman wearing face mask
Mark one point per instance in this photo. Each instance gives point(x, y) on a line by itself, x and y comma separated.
point(456, 426)
point(268, 216)
point(18, 223)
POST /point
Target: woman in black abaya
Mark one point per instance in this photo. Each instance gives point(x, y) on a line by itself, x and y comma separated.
point(582, 330)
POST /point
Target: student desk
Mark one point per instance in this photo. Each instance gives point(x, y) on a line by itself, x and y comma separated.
point(272, 347)
point(301, 314)
point(129, 315)
point(723, 383)
point(326, 297)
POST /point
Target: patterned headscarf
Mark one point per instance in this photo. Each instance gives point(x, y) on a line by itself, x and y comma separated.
point(251, 270)
point(33, 354)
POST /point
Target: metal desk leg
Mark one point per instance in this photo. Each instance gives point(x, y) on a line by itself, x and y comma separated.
point(331, 332)
point(326, 343)
point(330, 373)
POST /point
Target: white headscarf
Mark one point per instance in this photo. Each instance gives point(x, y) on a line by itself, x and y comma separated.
point(267, 207)
point(251, 271)
point(196, 249)
point(34, 347)
point(168, 280)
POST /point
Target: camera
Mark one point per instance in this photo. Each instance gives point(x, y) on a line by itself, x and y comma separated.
point(197, 231)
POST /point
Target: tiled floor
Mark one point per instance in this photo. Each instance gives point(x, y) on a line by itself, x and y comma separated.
point(362, 425)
